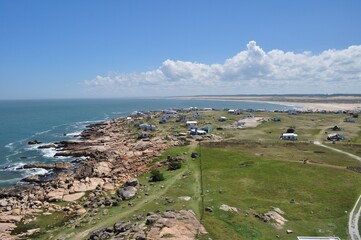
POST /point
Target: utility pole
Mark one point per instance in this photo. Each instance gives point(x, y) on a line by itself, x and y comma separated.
point(201, 173)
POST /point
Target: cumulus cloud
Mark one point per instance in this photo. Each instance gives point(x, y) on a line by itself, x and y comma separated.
point(252, 71)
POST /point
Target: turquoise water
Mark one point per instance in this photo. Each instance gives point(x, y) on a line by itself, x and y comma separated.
point(55, 120)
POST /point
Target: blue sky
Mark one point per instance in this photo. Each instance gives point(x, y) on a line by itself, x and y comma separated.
point(93, 49)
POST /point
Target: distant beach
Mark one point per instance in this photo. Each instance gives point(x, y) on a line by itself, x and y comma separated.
point(304, 102)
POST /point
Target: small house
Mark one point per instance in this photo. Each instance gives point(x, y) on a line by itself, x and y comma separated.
point(291, 130)
point(292, 112)
point(191, 124)
point(164, 119)
point(208, 129)
point(181, 118)
point(222, 119)
point(137, 113)
point(234, 111)
point(147, 127)
point(170, 111)
point(289, 136)
point(196, 131)
point(197, 115)
point(350, 120)
point(143, 135)
point(335, 137)
point(336, 128)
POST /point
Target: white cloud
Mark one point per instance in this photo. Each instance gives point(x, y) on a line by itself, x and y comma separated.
point(250, 71)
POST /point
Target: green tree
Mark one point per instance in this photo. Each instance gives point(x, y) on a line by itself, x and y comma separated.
point(156, 176)
point(174, 165)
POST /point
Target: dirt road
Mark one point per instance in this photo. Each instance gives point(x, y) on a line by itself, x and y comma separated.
point(356, 210)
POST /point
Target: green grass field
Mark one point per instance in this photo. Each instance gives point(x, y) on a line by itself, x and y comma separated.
point(322, 195)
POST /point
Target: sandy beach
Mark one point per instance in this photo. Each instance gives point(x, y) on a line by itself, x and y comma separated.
point(305, 102)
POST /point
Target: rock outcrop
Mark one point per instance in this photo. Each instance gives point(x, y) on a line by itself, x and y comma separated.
point(109, 159)
point(182, 225)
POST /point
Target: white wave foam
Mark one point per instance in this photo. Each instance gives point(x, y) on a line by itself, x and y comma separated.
point(34, 171)
point(89, 122)
point(74, 134)
point(33, 147)
point(43, 132)
point(12, 180)
point(8, 157)
point(57, 158)
point(48, 152)
point(45, 152)
point(13, 167)
point(18, 167)
point(10, 145)
point(116, 113)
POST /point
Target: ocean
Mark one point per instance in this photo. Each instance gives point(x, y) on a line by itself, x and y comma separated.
point(51, 121)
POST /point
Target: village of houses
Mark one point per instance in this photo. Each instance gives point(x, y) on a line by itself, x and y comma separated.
point(201, 123)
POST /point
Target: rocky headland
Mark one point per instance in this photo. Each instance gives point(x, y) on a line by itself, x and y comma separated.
point(110, 153)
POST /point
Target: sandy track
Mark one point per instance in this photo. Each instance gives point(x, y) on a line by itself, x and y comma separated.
point(355, 213)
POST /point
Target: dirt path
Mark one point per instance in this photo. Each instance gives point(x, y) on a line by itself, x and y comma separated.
point(356, 211)
point(338, 150)
point(112, 219)
point(197, 189)
point(353, 220)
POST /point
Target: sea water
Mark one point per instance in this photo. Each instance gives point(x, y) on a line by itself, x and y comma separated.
point(50, 121)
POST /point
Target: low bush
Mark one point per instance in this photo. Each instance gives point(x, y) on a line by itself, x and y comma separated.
point(156, 176)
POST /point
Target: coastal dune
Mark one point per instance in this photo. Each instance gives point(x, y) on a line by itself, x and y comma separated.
point(304, 102)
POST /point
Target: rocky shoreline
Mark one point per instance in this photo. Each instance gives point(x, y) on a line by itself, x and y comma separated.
point(111, 154)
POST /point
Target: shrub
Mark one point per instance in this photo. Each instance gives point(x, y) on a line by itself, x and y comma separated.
point(156, 176)
point(174, 165)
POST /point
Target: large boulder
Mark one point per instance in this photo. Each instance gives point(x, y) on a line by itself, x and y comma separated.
point(73, 197)
point(132, 182)
point(127, 193)
point(33, 142)
point(3, 203)
point(50, 145)
point(122, 226)
point(62, 165)
point(55, 195)
point(32, 178)
point(102, 168)
point(10, 219)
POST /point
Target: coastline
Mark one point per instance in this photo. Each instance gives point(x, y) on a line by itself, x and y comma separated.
point(304, 103)
point(108, 156)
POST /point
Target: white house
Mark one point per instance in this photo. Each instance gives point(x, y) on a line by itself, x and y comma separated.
point(222, 119)
point(191, 123)
point(289, 136)
point(198, 132)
